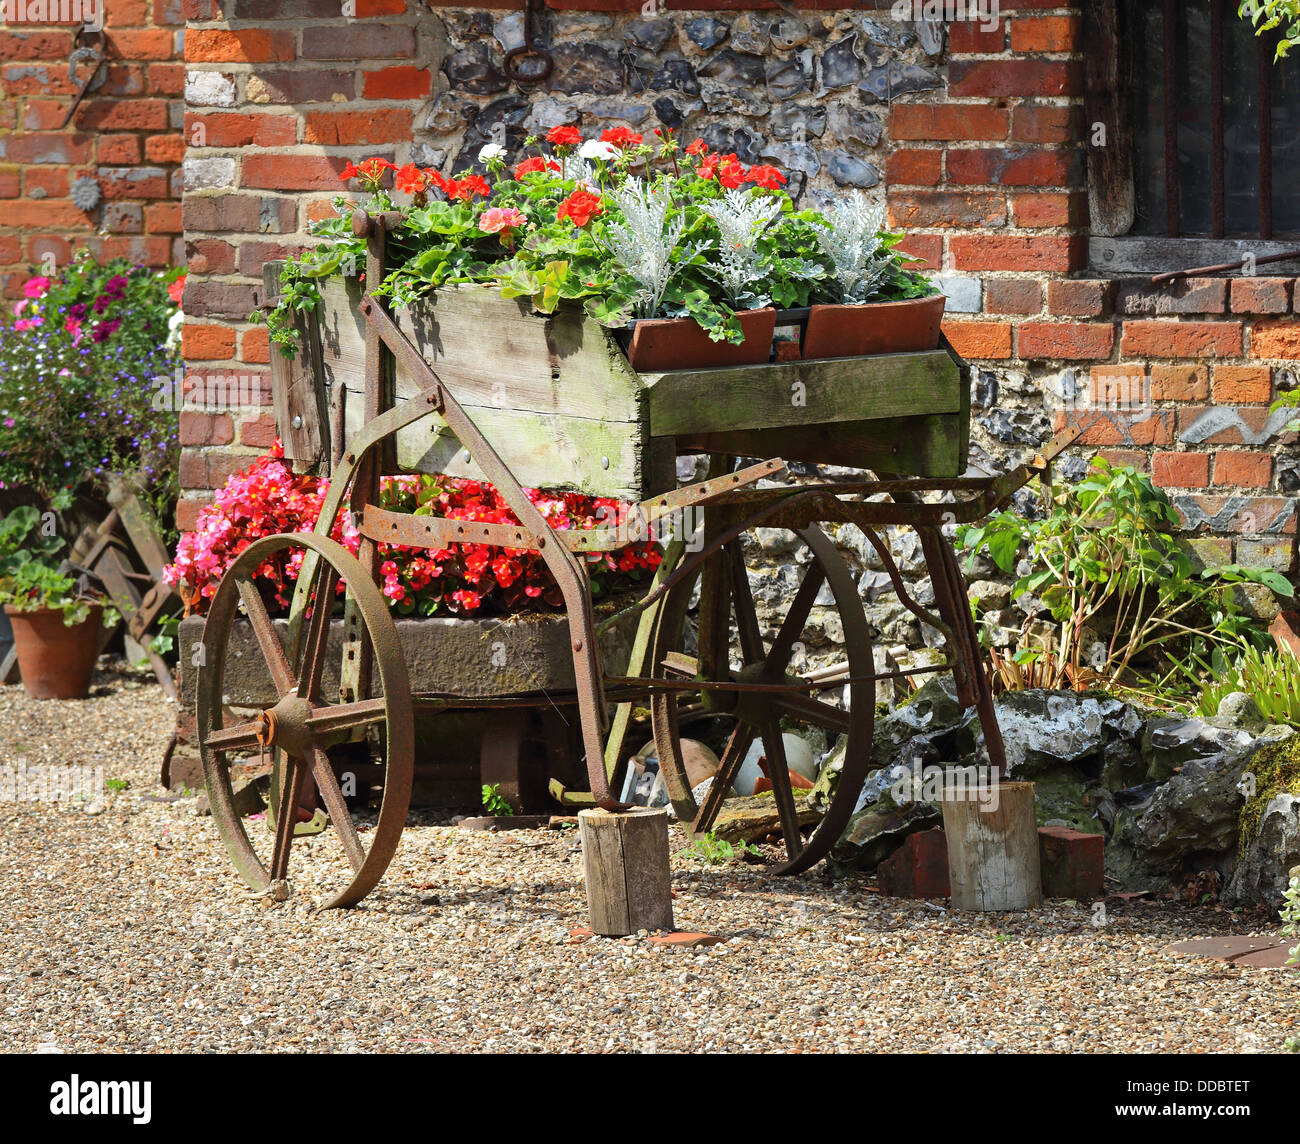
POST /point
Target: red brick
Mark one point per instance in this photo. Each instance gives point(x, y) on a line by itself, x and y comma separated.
point(29, 79)
point(1068, 340)
point(124, 115)
point(133, 183)
point(927, 247)
point(1046, 33)
point(1181, 470)
point(166, 79)
point(42, 214)
point(1041, 209)
point(381, 7)
point(1116, 428)
point(145, 44)
point(126, 14)
point(10, 183)
point(1242, 384)
point(187, 512)
point(206, 428)
point(1243, 470)
point(1182, 296)
point(398, 83)
point(207, 343)
point(918, 168)
point(1175, 339)
point(51, 181)
point(1234, 513)
point(1118, 387)
point(48, 148)
point(1012, 296)
point(1040, 254)
point(318, 209)
point(294, 172)
point(163, 218)
point(1180, 383)
point(1275, 340)
point(1009, 167)
point(358, 42)
point(1072, 863)
point(918, 868)
point(11, 250)
point(254, 255)
point(254, 346)
point(245, 45)
point(228, 129)
point(339, 128)
point(164, 148)
point(210, 256)
point(121, 81)
point(984, 340)
point(258, 432)
point(913, 209)
point(1079, 298)
point(44, 115)
point(209, 470)
point(118, 150)
point(1044, 123)
point(1255, 418)
point(45, 44)
point(974, 37)
point(1014, 77)
point(1130, 457)
point(941, 121)
point(1261, 295)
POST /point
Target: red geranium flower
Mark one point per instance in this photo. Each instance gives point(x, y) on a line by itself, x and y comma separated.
point(535, 164)
point(371, 170)
point(466, 188)
point(699, 147)
point(177, 289)
point(564, 136)
point(411, 180)
point(766, 177)
point(580, 207)
point(620, 137)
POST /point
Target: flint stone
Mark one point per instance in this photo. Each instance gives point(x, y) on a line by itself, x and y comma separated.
point(744, 142)
point(475, 70)
point(792, 157)
point(849, 171)
point(788, 34)
point(873, 834)
point(852, 124)
point(652, 35)
point(883, 83)
point(586, 68)
point(736, 69)
point(791, 120)
point(448, 114)
point(675, 75)
point(509, 31)
point(722, 99)
point(840, 66)
point(749, 34)
point(707, 32)
point(785, 78)
point(1262, 875)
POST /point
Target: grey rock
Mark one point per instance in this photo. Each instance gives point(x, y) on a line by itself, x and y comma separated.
point(984, 391)
point(723, 99)
point(569, 24)
point(1017, 426)
point(652, 35)
point(448, 114)
point(886, 34)
point(929, 34)
point(850, 123)
point(796, 122)
point(735, 69)
point(509, 31)
point(675, 75)
point(475, 69)
point(1195, 811)
point(744, 142)
point(749, 34)
point(874, 833)
point(892, 79)
point(789, 33)
point(840, 66)
point(1263, 873)
point(1239, 710)
point(849, 171)
point(672, 113)
point(965, 295)
point(785, 79)
point(707, 31)
point(633, 114)
point(424, 155)
point(792, 157)
point(585, 68)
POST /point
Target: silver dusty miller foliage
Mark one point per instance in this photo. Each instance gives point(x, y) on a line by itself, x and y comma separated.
point(851, 244)
point(642, 245)
point(742, 216)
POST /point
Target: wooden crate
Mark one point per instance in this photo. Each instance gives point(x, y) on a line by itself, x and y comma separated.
point(558, 400)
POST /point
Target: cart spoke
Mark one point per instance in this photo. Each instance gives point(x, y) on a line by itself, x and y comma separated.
point(778, 656)
point(344, 716)
point(778, 771)
point(285, 817)
point(318, 630)
point(340, 817)
point(751, 639)
point(267, 640)
point(816, 712)
point(240, 737)
point(734, 754)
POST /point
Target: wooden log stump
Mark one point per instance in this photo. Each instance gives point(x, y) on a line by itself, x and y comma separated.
point(993, 861)
point(625, 857)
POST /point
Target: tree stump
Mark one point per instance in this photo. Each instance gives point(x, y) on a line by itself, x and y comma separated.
point(993, 859)
point(625, 857)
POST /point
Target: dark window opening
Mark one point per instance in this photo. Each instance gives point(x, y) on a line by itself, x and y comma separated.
point(1216, 123)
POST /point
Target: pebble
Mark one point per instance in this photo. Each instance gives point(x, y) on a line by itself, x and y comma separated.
point(109, 943)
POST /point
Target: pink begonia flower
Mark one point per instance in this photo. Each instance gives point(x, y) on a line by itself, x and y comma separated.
point(35, 287)
point(28, 323)
point(496, 219)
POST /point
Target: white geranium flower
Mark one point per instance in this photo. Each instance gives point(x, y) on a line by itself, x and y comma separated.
point(491, 151)
point(595, 149)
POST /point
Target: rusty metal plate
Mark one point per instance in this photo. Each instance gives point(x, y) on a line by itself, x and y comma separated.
point(1270, 952)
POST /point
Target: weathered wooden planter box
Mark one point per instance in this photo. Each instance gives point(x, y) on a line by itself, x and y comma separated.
point(558, 399)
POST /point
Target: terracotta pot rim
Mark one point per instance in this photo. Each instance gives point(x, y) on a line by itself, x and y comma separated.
point(928, 298)
point(14, 610)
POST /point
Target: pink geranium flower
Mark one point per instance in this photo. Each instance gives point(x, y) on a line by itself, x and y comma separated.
point(35, 287)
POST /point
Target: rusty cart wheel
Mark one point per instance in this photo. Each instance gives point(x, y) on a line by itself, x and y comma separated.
point(755, 684)
point(344, 862)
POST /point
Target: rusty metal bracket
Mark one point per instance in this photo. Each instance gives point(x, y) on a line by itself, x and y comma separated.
point(82, 55)
point(534, 31)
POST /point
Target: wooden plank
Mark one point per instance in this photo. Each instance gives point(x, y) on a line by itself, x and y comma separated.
point(141, 525)
point(797, 393)
point(1140, 255)
point(993, 860)
point(625, 863)
point(297, 388)
point(553, 395)
point(910, 446)
point(1110, 160)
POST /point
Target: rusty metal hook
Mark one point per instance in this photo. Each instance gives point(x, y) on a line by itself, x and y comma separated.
point(534, 30)
point(81, 55)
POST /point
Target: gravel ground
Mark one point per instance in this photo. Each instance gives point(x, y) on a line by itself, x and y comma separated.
point(126, 931)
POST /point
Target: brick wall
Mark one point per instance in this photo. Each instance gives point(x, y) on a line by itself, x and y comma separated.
point(977, 144)
point(124, 136)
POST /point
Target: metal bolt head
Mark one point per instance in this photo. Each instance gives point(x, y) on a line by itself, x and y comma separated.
point(604, 462)
point(297, 421)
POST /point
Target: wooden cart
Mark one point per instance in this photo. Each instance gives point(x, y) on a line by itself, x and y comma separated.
point(472, 384)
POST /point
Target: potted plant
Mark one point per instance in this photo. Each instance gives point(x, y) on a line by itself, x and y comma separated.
point(55, 623)
point(868, 302)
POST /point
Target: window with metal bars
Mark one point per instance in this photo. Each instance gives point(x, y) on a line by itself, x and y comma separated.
point(1203, 139)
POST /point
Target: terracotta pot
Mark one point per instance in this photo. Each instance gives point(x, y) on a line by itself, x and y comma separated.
point(1285, 630)
point(55, 661)
point(660, 344)
point(874, 328)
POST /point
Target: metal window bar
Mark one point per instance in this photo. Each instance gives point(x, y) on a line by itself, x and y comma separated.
point(1265, 47)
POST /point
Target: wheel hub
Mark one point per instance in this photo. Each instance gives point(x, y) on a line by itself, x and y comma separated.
point(285, 726)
